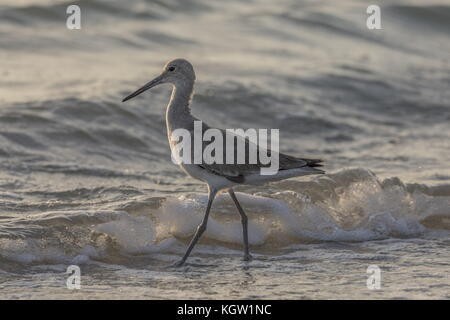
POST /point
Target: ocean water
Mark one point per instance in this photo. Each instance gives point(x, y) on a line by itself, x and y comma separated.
point(87, 180)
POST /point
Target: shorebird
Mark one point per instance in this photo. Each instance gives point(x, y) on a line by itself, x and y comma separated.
point(180, 74)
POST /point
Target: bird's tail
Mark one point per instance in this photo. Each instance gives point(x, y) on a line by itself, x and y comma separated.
point(313, 164)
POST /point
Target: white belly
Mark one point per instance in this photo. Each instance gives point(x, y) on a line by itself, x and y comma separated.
point(212, 180)
point(198, 173)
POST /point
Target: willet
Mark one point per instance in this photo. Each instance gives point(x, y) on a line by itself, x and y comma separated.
point(180, 74)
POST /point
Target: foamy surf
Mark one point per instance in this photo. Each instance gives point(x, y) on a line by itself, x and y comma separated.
point(347, 206)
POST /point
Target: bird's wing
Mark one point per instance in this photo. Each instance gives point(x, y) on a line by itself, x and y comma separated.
point(237, 172)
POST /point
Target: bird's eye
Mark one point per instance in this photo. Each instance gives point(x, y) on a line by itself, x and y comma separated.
point(171, 68)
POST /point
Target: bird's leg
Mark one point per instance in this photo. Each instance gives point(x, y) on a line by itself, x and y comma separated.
point(200, 229)
point(244, 221)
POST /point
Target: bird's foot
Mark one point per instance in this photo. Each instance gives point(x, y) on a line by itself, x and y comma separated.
point(248, 257)
point(177, 264)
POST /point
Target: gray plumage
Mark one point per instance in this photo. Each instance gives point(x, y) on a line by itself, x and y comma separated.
point(218, 176)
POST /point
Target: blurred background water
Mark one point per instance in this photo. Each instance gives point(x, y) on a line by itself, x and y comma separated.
point(87, 180)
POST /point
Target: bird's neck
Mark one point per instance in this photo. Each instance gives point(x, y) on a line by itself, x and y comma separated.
point(178, 114)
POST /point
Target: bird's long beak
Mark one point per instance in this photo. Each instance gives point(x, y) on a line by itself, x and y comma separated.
point(147, 86)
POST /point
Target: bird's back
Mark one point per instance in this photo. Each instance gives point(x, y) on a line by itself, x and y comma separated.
point(241, 163)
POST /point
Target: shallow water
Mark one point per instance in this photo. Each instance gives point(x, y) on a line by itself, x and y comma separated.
point(87, 180)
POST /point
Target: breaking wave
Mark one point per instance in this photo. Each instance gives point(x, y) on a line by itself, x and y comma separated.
point(351, 205)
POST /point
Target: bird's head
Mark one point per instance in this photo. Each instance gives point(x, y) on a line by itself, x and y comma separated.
point(177, 72)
